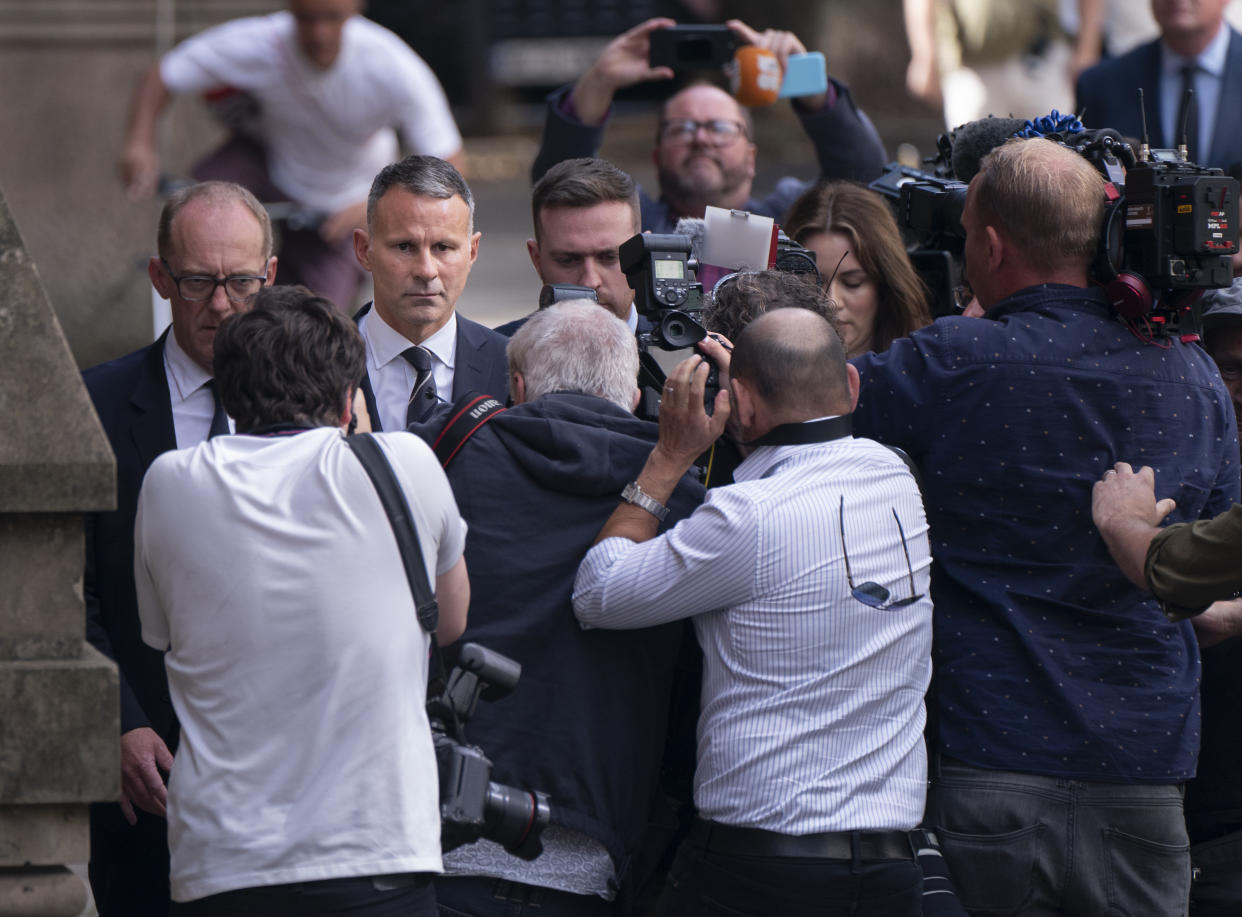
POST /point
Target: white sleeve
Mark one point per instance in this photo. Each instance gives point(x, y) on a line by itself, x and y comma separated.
point(420, 108)
point(705, 563)
point(151, 615)
point(430, 498)
point(241, 53)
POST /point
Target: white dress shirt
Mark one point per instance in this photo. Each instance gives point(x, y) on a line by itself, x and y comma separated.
point(812, 707)
point(193, 405)
point(392, 377)
point(1208, 80)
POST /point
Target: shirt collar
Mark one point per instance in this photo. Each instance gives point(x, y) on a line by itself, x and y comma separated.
point(1211, 59)
point(763, 460)
point(632, 319)
point(387, 344)
point(186, 376)
point(1063, 296)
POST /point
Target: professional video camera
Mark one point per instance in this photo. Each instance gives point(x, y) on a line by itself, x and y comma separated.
point(1168, 233)
point(471, 805)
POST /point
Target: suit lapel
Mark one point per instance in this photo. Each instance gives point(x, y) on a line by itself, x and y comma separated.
point(1227, 126)
point(153, 430)
point(468, 368)
point(368, 393)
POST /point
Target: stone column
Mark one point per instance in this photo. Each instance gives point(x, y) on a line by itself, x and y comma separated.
point(59, 708)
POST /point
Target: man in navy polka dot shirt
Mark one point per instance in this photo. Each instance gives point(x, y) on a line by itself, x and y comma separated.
point(1065, 704)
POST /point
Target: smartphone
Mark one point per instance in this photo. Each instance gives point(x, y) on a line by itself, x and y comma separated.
point(692, 47)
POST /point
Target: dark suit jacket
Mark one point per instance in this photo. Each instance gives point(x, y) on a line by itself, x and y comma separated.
point(130, 395)
point(1108, 97)
point(481, 365)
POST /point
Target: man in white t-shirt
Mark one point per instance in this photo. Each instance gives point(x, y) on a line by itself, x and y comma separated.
point(267, 569)
point(331, 87)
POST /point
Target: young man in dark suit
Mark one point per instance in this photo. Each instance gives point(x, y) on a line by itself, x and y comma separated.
point(418, 246)
point(215, 254)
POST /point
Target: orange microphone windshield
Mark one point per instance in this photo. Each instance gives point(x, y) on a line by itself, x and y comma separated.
point(755, 76)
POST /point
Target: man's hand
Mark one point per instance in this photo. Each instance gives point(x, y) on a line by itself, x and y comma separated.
point(1219, 622)
point(342, 224)
point(686, 430)
point(143, 756)
point(139, 168)
point(782, 44)
point(623, 63)
point(1125, 510)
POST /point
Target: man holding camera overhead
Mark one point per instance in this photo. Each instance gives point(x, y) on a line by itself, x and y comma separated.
point(807, 584)
point(705, 150)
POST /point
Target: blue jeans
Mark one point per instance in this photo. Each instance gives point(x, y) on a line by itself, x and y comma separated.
point(1021, 844)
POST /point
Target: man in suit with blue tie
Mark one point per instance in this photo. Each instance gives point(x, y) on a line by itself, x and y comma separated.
point(419, 245)
point(1196, 49)
point(215, 254)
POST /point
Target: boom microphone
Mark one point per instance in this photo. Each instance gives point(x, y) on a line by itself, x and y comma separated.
point(975, 139)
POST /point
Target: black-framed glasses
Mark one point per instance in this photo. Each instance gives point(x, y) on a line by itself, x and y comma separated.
point(200, 287)
point(870, 593)
point(720, 131)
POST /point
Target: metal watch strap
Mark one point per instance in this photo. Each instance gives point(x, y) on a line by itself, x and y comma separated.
point(633, 494)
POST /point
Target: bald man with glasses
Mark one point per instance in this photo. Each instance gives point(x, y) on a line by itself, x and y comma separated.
point(705, 151)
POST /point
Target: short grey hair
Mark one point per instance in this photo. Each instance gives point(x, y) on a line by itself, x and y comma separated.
point(426, 176)
point(576, 346)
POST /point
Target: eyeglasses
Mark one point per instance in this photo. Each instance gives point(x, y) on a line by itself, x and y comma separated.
point(720, 132)
point(199, 287)
point(873, 594)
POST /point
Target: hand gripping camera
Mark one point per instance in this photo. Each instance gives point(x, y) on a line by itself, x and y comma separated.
point(472, 806)
point(660, 271)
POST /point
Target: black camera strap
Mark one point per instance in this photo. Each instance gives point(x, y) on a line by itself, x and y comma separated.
point(470, 412)
point(398, 512)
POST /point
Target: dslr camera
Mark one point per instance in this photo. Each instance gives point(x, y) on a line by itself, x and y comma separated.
point(472, 805)
point(660, 271)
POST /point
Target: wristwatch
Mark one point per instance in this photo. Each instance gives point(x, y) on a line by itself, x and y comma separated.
point(634, 494)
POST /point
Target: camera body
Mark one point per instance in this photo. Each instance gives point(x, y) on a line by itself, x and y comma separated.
point(472, 805)
point(660, 271)
point(692, 47)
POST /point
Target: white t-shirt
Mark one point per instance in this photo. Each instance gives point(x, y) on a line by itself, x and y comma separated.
point(267, 568)
point(328, 132)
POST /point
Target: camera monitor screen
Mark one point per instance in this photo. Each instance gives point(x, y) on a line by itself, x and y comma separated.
point(665, 269)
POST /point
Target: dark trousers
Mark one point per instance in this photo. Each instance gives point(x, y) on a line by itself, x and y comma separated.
point(1217, 888)
point(1024, 844)
point(361, 896)
point(706, 882)
point(129, 864)
point(329, 269)
point(480, 896)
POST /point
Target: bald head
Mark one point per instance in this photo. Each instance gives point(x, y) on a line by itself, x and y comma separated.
point(794, 361)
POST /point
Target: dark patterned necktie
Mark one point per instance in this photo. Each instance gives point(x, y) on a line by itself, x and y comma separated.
point(219, 419)
point(1188, 113)
point(423, 395)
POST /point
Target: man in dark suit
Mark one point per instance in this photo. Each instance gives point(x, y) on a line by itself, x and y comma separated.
point(419, 245)
point(215, 253)
point(583, 209)
point(1196, 48)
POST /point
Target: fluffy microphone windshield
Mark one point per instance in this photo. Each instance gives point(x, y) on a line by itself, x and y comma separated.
point(975, 139)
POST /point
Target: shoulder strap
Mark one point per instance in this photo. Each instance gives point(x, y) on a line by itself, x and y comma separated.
point(398, 511)
point(469, 413)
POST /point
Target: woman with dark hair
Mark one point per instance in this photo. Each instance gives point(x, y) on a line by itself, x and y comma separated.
point(863, 263)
